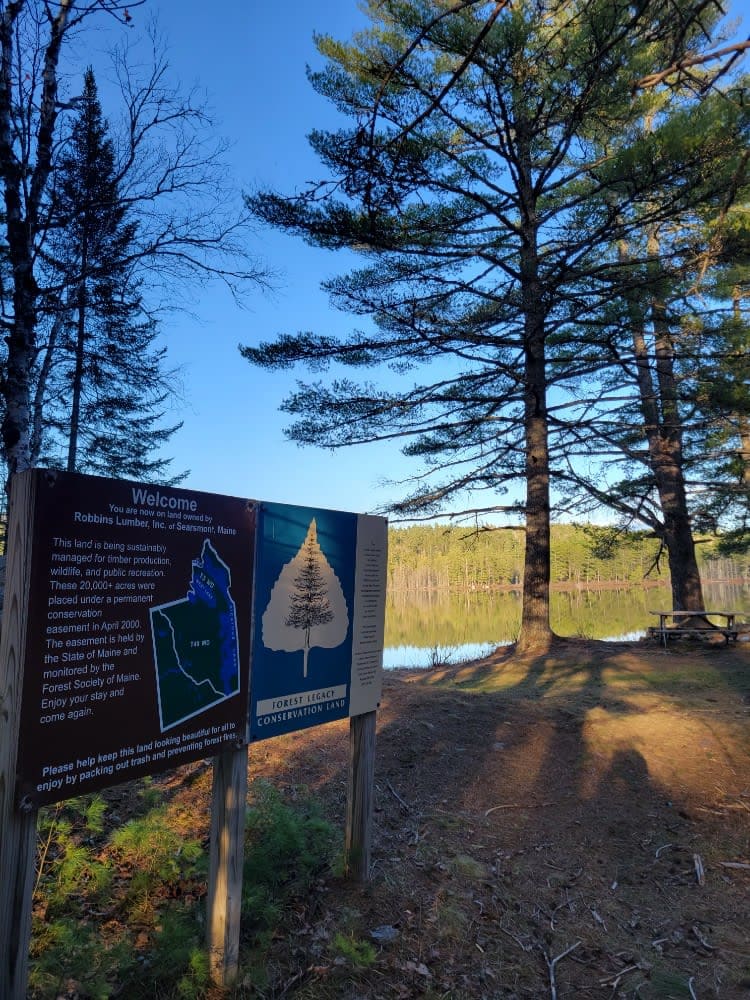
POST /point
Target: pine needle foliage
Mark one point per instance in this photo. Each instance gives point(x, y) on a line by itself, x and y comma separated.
point(117, 904)
point(102, 383)
point(493, 157)
point(287, 848)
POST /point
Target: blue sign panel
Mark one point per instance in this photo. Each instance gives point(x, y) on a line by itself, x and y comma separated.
point(303, 618)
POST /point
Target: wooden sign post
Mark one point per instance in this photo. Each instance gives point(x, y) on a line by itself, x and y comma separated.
point(17, 826)
point(359, 804)
point(225, 869)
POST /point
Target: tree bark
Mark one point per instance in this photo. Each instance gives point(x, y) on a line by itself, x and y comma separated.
point(37, 403)
point(75, 408)
point(23, 189)
point(743, 422)
point(658, 402)
point(17, 820)
point(536, 633)
point(665, 459)
point(667, 455)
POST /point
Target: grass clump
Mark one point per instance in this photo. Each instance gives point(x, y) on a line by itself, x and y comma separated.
point(468, 867)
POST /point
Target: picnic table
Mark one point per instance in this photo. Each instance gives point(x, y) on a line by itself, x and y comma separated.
point(682, 627)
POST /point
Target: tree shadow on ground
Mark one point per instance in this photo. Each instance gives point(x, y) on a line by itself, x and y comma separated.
point(524, 805)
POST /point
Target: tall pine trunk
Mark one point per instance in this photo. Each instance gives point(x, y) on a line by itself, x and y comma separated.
point(659, 406)
point(22, 220)
point(75, 407)
point(667, 452)
point(536, 633)
point(743, 422)
point(665, 461)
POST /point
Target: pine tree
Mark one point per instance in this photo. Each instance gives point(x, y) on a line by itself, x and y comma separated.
point(722, 392)
point(471, 178)
point(192, 225)
point(671, 405)
point(103, 383)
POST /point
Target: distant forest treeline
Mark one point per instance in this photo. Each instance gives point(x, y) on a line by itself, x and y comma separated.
point(440, 557)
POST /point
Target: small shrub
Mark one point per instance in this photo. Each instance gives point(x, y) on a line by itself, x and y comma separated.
point(441, 656)
point(156, 947)
point(175, 959)
point(194, 983)
point(286, 849)
point(361, 954)
point(67, 866)
point(67, 951)
point(157, 855)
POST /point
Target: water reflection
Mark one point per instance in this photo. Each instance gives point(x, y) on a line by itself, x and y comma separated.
point(422, 629)
point(434, 656)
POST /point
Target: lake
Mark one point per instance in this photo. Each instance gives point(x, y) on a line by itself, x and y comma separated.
point(425, 627)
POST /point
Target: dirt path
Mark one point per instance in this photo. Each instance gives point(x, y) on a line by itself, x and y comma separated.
point(573, 825)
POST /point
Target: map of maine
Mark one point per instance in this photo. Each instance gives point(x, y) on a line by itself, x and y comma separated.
point(195, 643)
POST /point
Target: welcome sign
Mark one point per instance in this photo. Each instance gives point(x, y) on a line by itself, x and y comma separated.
point(138, 635)
point(166, 625)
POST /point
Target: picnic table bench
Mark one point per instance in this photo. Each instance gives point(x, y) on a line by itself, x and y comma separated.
point(684, 627)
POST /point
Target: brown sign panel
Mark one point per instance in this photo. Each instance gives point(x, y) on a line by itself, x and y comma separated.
point(138, 642)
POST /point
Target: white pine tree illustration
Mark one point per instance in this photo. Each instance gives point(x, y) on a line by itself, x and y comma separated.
point(307, 606)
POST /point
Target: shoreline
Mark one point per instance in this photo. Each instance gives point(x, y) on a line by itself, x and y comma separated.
point(564, 586)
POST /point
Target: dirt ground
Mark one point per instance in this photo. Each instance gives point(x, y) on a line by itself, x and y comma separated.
point(572, 825)
point(569, 825)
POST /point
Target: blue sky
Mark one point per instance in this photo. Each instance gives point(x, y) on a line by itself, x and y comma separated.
point(250, 60)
